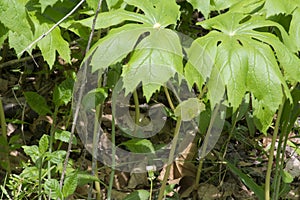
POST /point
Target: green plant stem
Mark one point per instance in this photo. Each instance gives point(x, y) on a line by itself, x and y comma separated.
point(52, 130)
point(40, 179)
point(203, 91)
point(97, 123)
point(271, 155)
point(113, 140)
point(279, 162)
point(94, 150)
point(204, 147)
point(137, 107)
point(170, 160)
point(169, 98)
point(77, 106)
point(4, 135)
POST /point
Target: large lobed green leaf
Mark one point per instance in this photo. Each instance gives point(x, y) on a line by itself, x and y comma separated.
point(243, 61)
point(114, 17)
point(295, 28)
point(157, 58)
point(37, 102)
point(46, 3)
point(13, 15)
point(275, 7)
point(202, 6)
point(115, 46)
point(163, 12)
point(51, 43)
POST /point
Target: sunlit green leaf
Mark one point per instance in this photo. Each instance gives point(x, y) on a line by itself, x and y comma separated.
point(245, 61)
point(18, 41)
point(247, 6)
point(115, 46)
point(52, 189)
point(56, 157)
point(32, 151)
point(70, 184)
point(43, 144)
point(114, 17)
point(112, 3)
point(274, 7)
point(162, 13)
point(295, 28)
point(202, 6)
point(13, 15)
point(64, 136)
point(157, 58)
point(222, 4)
point(51, 43)
point(202, 55)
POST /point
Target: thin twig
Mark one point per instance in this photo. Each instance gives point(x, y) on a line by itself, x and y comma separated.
point(13, 62)
point(52, 28)
point(79, 97)
point(4, 136)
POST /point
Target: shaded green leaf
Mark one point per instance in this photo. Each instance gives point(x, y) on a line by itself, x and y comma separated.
point(37, 103)
point(85, 178)
point(258, 190)
point(139, 146)
point(189, 109)
point(46, 3)
point(138, 195)
point(3, 33)
point(63, 92)
point(94, 98)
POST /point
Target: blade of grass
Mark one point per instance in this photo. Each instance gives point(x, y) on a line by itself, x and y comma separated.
point(258, 190)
